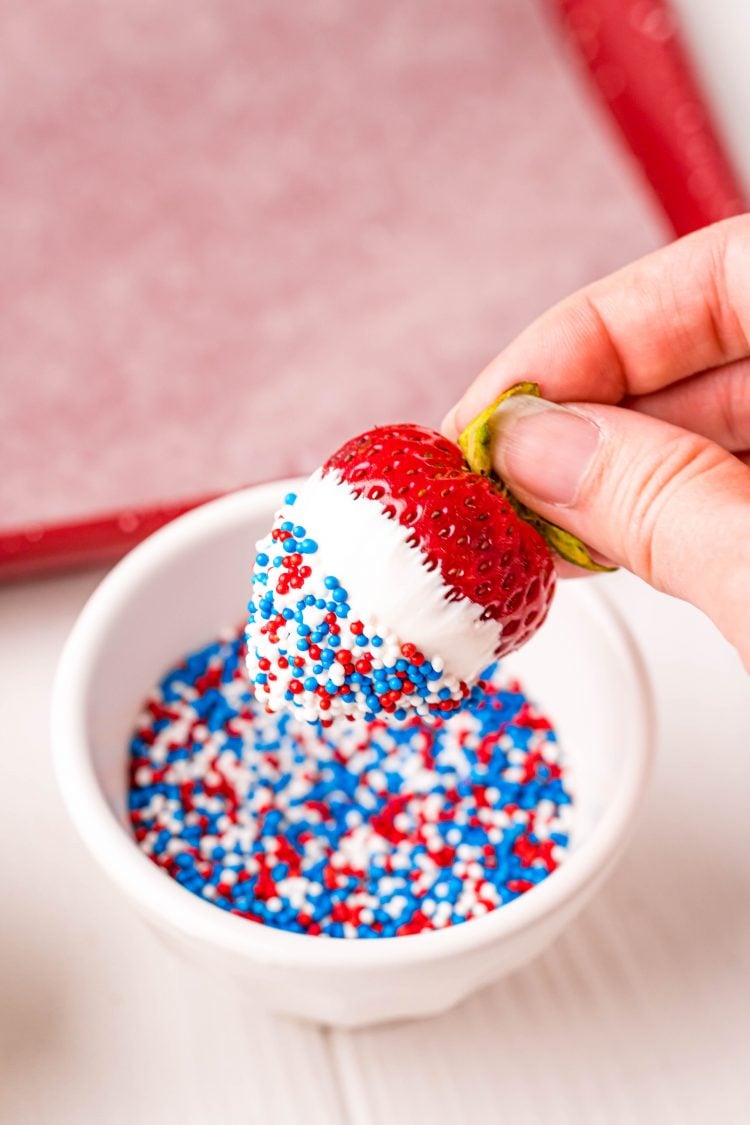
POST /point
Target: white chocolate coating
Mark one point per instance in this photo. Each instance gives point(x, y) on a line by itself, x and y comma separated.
point(391, 584)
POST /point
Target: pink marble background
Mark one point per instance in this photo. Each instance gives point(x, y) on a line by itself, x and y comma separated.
point(234, 232)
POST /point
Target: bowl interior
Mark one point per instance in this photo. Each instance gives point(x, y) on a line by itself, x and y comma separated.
point(576, 671)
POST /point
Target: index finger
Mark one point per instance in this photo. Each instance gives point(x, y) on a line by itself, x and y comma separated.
point(678, 311)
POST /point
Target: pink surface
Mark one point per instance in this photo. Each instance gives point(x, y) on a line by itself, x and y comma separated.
point(234, 233)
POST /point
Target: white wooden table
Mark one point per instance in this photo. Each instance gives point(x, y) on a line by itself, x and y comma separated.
point(640, 1013)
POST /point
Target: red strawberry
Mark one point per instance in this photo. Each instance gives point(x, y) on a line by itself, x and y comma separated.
point(395, 577)
point(463, 524)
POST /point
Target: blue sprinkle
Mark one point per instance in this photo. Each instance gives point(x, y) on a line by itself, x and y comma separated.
point(290, 545)
point(330, 582)
point(261, 559)
point(339, 594)
point(290, 497)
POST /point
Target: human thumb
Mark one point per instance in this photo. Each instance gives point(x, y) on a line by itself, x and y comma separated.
point(667, 504)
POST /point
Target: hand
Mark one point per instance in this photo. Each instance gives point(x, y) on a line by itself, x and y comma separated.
point(650, 466)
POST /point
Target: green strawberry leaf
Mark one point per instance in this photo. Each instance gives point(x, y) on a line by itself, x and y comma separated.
point(476, 445)
point(476, 440)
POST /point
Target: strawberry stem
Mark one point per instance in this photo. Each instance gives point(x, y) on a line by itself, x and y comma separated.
point(476, 445)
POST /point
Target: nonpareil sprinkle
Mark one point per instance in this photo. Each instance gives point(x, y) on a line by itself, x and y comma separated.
point(357, 830)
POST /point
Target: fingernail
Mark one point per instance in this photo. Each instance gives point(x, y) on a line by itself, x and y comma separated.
point(544, 449)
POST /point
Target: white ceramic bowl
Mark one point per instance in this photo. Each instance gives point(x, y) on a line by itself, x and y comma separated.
point(173, 593)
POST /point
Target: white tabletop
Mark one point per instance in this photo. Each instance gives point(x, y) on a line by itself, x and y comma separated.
point(639, 1013)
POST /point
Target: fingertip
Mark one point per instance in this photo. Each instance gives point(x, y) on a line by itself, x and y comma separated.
point(449, 425)
point(569, 570)
point(472, 404)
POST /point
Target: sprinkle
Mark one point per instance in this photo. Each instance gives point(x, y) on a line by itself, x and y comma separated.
point(296, 608)
point(354, 831)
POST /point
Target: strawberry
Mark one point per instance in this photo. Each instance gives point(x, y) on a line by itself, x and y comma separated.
point(398, 575)
point(459, 521)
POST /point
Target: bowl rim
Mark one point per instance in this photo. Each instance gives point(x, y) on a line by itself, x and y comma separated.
point(163, 899)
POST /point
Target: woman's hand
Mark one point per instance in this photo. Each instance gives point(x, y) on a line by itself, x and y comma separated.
point(650, 464)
